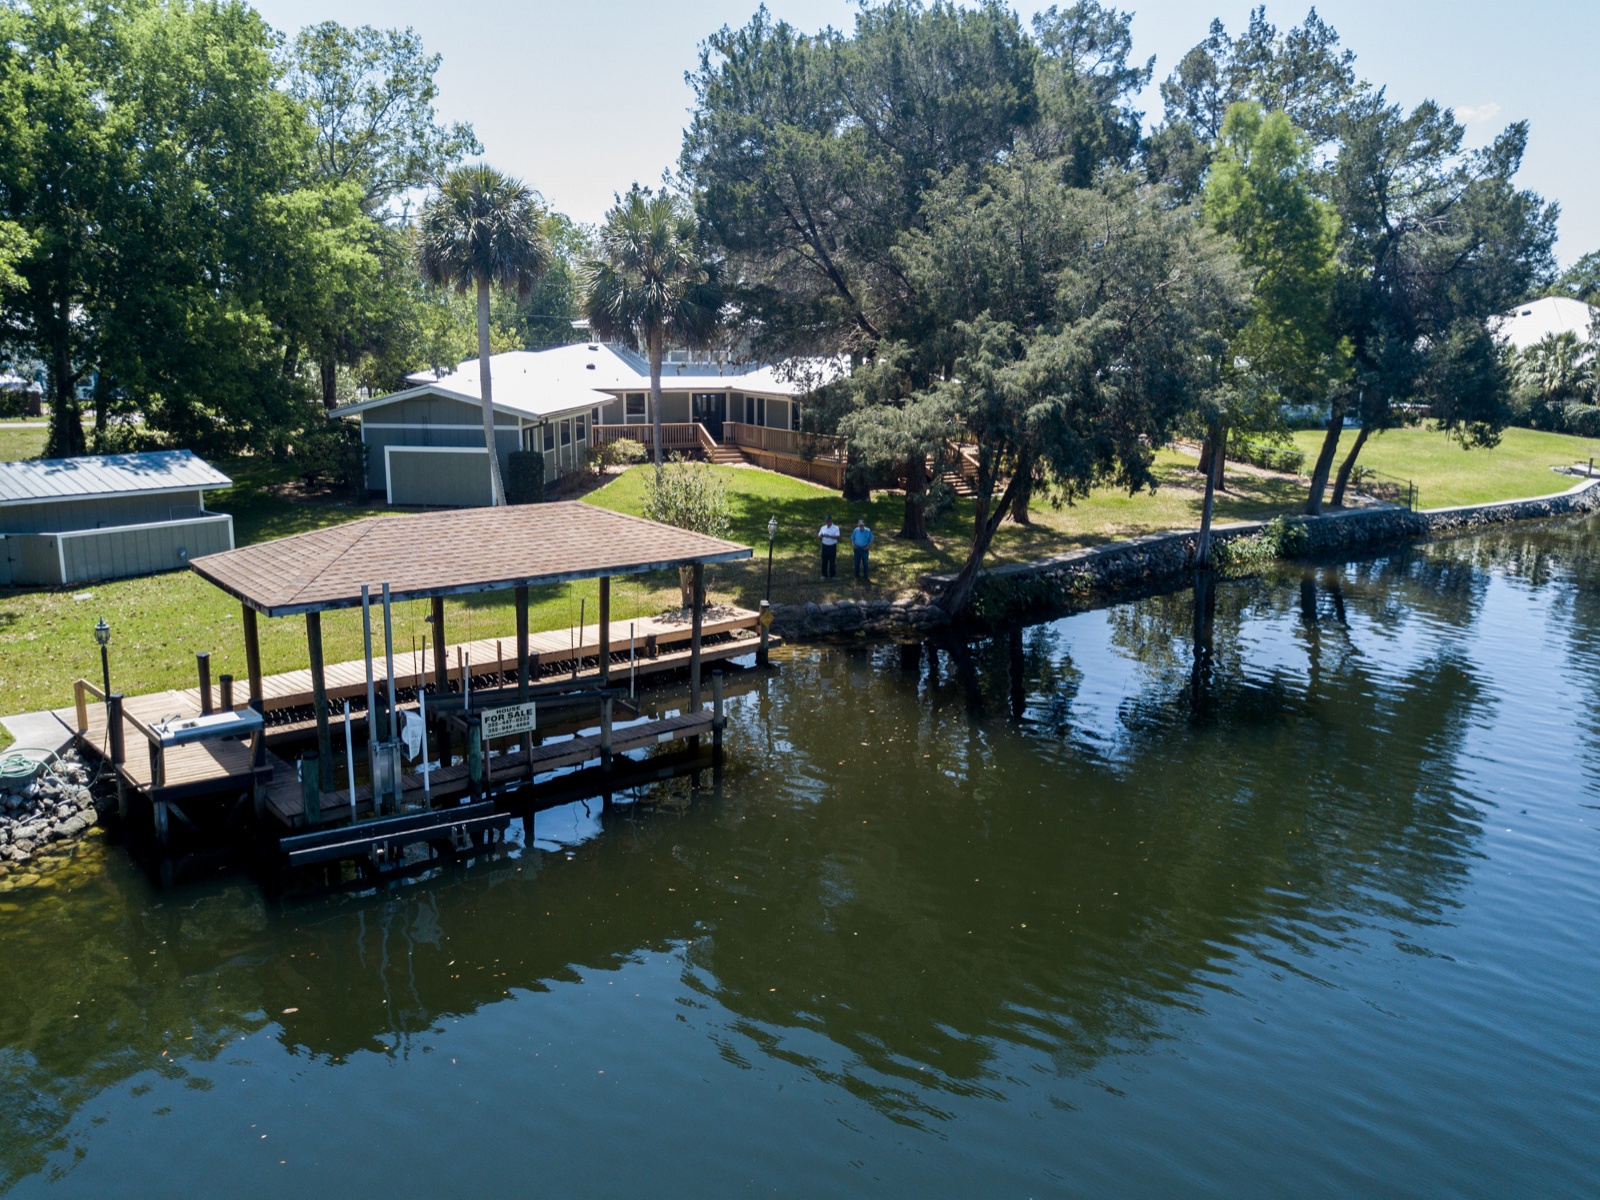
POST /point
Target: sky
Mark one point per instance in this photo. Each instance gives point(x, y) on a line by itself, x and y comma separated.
point(580, 100)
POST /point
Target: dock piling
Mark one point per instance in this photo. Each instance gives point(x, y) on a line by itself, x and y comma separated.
point(225, 686)
point(311, 787)
point(115, 731)
point(697, 621)
point(761, 650)
point(202, 660)
point(605, 733)
point(718, 720)
point(319, 699)
point(475, 758)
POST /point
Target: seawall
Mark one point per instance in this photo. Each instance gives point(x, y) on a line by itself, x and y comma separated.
point(1159, 558)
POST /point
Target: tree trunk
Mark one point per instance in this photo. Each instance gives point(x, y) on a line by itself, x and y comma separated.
point(914, 524)
point(1220, 467)
point(1347, 465)
point(857, 483)
point(329, 371)
point(1019, 503)
point(102, 401)
point(496, 488)
point(1330, 443)
point(654, 344)
point(65, 439)
point(1202, 550)
point(1208, 453)
point(986, 520)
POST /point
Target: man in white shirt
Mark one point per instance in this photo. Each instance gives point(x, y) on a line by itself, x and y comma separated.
point(829, 536)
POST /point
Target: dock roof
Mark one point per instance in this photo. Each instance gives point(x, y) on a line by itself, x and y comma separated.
point(421, 555)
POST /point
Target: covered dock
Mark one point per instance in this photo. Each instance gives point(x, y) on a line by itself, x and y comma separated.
point(428, 556)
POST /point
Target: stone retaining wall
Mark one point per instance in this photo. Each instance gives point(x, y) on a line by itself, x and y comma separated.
point(1158, 558)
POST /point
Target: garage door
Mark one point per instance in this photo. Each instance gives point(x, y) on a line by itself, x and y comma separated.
point(434, 475)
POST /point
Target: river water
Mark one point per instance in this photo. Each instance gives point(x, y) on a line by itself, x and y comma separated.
point(1049, 915)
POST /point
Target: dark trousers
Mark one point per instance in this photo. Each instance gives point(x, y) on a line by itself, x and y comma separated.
point(861, 562)
point(830, 562)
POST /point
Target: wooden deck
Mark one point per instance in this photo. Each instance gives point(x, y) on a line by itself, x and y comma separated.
point(192, 769)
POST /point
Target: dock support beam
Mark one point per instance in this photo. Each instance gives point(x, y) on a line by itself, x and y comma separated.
point(252, 669)
point(761, 650)
point(697, 620)
point(319, 700)
point(605, 630)
point(718, 720)
point(441, 678)
point(202, 662)
point(310, 789)
point(523, 665)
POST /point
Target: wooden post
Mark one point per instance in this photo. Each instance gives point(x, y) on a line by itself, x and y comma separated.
point(310, 789)
point(475, 756)
point(697, 612)
point(225, 686)
point(252, 656)
point(319, 700)
point(605, 733)
point(718, 721)
point(115, 733)
point(441, 680)
point(523, 665)
point(761, 650)
point(202, 661)
point(605, 630)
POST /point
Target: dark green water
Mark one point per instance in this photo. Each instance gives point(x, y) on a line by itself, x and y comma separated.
point(1327, 930)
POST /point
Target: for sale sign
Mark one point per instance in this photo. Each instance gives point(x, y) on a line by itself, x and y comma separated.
point(504, 722)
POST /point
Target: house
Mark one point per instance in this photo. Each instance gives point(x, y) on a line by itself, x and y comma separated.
point(106, 516)
point(1529, 324)
point(425, 443)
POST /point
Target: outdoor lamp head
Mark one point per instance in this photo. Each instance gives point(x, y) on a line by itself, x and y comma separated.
point(772, 528)
point(102, 633)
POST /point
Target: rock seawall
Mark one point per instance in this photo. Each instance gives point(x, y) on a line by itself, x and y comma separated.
point(52, 811)
point(1158, 558)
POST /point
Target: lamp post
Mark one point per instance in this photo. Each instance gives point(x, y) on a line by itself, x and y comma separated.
point(102, 635)
point(772, 536)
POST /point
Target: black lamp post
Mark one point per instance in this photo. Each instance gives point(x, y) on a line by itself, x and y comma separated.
point(102, 635)
point(772, 536)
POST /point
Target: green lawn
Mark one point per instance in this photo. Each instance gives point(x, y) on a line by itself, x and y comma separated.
point(158, 622)
point(1447, 475)
point(17, 444)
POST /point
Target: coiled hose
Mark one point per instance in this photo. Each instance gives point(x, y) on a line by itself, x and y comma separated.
point(24, 762)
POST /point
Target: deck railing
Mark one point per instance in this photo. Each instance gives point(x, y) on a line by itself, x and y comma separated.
point(784, 441)
point(675, 435)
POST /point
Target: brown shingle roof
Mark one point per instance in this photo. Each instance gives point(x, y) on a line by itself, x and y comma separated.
point(448, 553)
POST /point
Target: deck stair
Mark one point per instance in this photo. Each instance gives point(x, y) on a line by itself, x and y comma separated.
point(725, 455)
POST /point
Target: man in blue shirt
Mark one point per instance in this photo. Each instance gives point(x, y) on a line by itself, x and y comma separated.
point(861, 538)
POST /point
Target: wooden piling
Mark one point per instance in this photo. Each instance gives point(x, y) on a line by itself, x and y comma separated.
point(311, 787)
point(475, 758)
point(252, 656)
point(225, 686)
point(441, 678)
point(115, 741)
point(319, 700)
point(718, 720)
point(605, 732)
point(523, 665)
point(697, 614)
point(761, 650)
point(202, 661)
point(605, 630)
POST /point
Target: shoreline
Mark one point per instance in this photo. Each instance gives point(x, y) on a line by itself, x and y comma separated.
point(1064, 581)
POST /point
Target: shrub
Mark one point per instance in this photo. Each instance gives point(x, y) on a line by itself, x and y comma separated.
point(525, 477)
point(330, 451)
point(623, 452)
point(125, 437)
point(1582, 420)
point(15, 402)
point(1268, 456)
point(1243, 556)
point(690, 496)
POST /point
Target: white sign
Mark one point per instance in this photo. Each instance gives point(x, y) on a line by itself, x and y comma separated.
point(503, 722)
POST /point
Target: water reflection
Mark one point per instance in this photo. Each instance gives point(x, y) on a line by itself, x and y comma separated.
point(925, 861)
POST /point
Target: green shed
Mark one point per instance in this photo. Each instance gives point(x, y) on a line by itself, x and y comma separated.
point(106, 516)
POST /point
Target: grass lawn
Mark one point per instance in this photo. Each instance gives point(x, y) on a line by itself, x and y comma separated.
point(158, 622)
point(17, 444)
point(1447, 475)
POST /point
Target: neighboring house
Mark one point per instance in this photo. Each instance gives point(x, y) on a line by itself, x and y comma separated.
point(105, 516)
point(425, 443)
point(1529, 324)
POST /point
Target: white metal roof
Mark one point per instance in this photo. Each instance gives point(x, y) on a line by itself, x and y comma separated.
point(99, 475)
point(567, 379)
point(1529, 324)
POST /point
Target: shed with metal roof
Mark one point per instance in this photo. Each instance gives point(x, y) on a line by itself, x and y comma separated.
point(106, 516)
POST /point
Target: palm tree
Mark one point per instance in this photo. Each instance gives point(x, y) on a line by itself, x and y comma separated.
point(483, 228)
point(653, 281)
